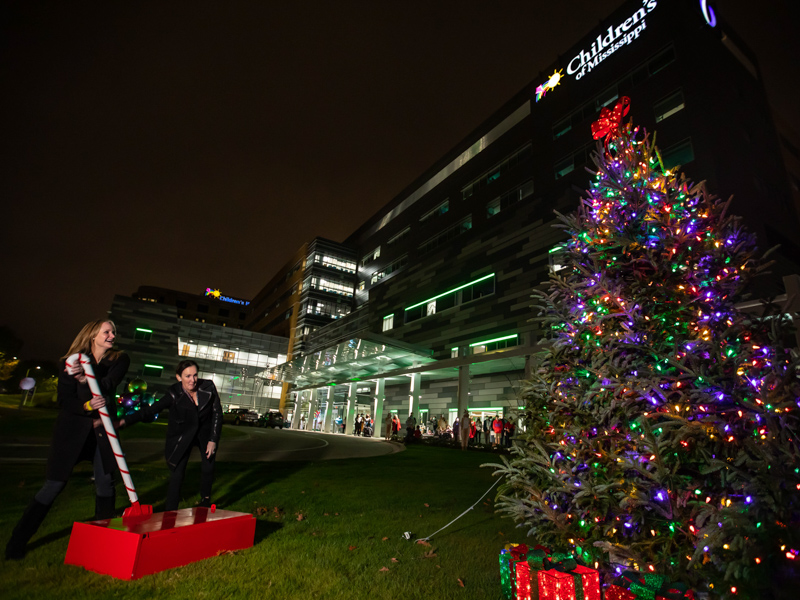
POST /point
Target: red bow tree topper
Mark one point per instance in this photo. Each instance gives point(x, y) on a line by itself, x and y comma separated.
point(610, 120)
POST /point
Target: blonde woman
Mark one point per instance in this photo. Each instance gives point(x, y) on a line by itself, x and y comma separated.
point(78, 434)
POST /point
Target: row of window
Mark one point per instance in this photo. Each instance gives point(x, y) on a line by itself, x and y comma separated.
point(334, 287)
point(334, 262)
point(393, 266)
point(678, 154)
point(494, 207)
point(455, 297)
point(436, 211)
point(508, 341)
point(325, 308)
point(444, 236)
point(190, 349)
point(634, 77)
point(519, 157)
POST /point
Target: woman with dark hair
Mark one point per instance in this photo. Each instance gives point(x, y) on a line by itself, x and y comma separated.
point(78, 434)
point(195, 419)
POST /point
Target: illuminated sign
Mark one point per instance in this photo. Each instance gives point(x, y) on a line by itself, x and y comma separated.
point(216, 294)
point(548, 85)
point(614, 39)
point(708, 13)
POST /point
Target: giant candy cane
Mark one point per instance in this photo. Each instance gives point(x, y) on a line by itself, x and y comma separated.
point(135, 508)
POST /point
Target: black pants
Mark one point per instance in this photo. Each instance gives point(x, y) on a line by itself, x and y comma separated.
point(178, 472)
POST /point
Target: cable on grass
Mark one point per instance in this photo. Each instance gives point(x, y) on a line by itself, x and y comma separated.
point(425, 539)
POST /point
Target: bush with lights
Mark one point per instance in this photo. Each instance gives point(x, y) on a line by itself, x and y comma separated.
point(662, 425)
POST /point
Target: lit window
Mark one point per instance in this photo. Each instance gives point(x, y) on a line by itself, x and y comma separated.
point(453, 352)
point(668, 106)
point(564, 166)
point(437, 211)
point(152, 370)
point(606, 97)
point(388, 322)
point(361, 285)
point(142, 335)
point(563, 127)
point(375, 254)
point(431, 308)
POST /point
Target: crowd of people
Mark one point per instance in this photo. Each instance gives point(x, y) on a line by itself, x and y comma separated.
point(468, 431)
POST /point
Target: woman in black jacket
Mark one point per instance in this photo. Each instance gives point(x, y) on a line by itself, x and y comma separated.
point(195, 419)
point(78, 434)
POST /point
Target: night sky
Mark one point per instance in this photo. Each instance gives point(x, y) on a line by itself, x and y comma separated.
point(181, 144)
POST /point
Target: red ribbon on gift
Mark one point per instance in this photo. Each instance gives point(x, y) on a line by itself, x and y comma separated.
point(610, 120)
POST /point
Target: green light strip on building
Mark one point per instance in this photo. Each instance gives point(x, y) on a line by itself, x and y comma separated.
point(154, 366)
point(388, 316)
point(461, 287)
point(144, 330)
point(500, 339)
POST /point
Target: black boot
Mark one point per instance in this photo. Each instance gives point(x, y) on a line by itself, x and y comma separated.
point(204, 502)
point(104, 507)
point(26, 527)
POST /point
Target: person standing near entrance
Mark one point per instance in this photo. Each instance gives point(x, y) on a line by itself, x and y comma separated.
point(478, 430)
point(466, 428)
point(411, 424)
point(387, 427)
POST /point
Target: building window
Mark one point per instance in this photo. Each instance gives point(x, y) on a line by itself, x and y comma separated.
point(228, 356)
point(453, 352)
point(180, 304)
point(334, 287)
point(224, 312)
point(185, 350)
point(361, 285)
point(395, 265)
point(333, 262)
point(509, 198)
point(203, 308)
point(564, 167)
point(388, 323)
point(400, 236)
point(498, 343)
point(668, 106)
point(519, 157)
point(152, 371)
point(556, 258)
point(678, 154)
point(563, 127)
point(660, 61)
point(462, 294)
point(142, 335)
point(448, 234)
point(606, 97)
point(374, 255)
point(437, 211)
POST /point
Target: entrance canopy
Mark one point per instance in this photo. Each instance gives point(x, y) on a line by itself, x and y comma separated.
point(351, 360)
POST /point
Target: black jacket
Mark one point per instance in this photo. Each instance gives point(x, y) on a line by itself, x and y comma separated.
point(74, 437)
point(187, 422)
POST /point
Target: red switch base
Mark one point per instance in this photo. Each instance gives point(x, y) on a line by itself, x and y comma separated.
point(131, 547)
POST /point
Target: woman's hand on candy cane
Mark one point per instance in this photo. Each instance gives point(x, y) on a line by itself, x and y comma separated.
point(97, 402)
point(76, 371)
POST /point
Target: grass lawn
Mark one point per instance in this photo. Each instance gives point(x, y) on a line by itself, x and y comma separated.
point(325, 530)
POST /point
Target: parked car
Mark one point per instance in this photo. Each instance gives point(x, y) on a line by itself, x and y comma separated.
point(272, 419)
point(241, 416)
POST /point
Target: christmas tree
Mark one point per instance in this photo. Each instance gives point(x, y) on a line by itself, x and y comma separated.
point(662, 425)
